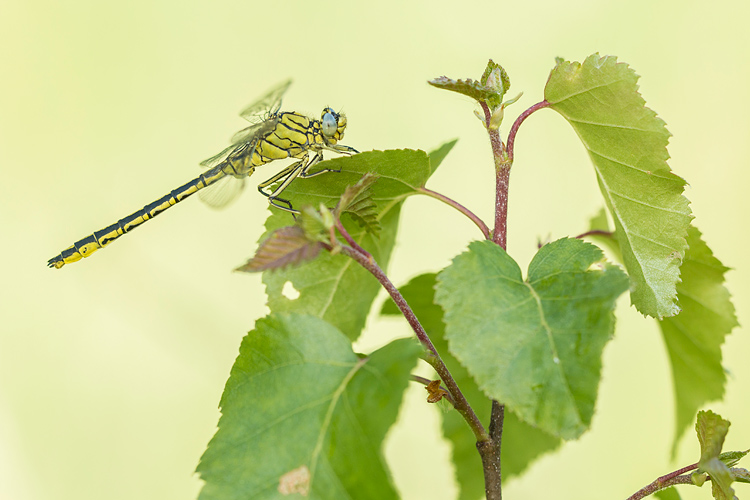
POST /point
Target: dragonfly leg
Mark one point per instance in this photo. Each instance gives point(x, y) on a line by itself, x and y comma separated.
point(288, 175)
point(316, 159)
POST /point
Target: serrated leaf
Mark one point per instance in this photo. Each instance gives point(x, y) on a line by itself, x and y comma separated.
point(627, 144)
point(284, 247)
point(668, 494)
point(741, 475)
point(533, 344)
point(315, 224)
point(298, 406)
point(522, 444)
point(438, 155)
point(712, 430)
point(334, 287)
point(732, 457)
point(695, 336)
point(490, 88)
point(357, 200)
point(495, 77)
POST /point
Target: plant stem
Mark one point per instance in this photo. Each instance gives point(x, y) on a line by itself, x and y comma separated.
point(351, 241)
point(468, 213)
point(491, 460)
point(664, 482)
point(460, 403)
point(502, 178)
point(516, 124)
point(596, 232)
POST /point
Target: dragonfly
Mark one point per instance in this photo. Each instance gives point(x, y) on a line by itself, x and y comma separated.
point(272, 135)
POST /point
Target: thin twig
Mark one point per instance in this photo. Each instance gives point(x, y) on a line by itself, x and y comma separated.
point(596, 232)
point(351, 241)
point(664, 481)
point(460, 402)
point(516, 124)
point(468, 213)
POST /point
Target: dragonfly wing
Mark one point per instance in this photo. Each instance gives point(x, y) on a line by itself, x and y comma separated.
point(218, 158)
point(223, 192)
point(249, 134)
point(268, 104)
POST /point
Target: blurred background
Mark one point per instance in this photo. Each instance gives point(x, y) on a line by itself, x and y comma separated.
point(111, 369)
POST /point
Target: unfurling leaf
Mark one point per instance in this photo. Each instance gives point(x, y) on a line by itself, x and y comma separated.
point(285, 247)
point(741, 475)
point(490, 88)
point(711, 430)
point(315, 224)
point(357, 200)
point(627, 144)
point(732, 457)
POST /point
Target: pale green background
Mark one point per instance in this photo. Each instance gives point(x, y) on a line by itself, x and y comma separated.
point(111, 369)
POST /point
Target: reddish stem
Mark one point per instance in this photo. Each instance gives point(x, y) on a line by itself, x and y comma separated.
point(517, 124)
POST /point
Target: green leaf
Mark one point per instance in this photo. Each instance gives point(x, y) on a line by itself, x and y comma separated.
point(357, 200)
point(491, 88)
point(694, 337)
point(301, 412)
point(316, 225)
point(334, 287)
point(438, 155)
point(522, 443)
point(287, 246)
point(741, 475)
point(668, 494)
point(732, 457)
point(534, 345)
point(627, 144)
point(711, 430)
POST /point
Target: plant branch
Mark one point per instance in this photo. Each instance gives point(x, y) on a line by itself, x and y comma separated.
point(460, 402)
point(468, 213)
point(596, 232)
point(502, 179)
point(665, 481)
point(514, 128)
point(351, 241)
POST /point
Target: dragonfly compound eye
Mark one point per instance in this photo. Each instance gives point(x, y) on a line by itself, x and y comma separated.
point(330, 123)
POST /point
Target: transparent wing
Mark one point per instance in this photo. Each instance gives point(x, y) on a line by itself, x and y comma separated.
point(243, 142)
point(218, 158)
point(249, 134)
point(268, 104)
point(222, 192)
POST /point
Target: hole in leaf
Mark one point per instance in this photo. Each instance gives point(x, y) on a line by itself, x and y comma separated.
point(289, 291)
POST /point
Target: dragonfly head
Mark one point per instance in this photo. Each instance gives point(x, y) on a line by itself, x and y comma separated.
point(333, 125)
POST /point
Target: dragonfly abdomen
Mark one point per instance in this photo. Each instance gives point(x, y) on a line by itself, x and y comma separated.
point(86, 246)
